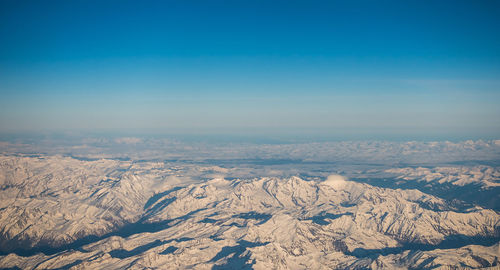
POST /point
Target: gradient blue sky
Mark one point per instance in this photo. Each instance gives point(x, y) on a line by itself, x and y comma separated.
point(325, 67)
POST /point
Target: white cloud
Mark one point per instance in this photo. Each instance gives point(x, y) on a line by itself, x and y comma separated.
point(336, 181)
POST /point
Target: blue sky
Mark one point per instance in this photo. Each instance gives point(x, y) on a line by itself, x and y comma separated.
point(266, 67)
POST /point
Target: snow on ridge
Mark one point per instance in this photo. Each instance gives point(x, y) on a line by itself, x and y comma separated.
point(274, 222)
point(219, 221)
point(384, 152)
point(486, 176)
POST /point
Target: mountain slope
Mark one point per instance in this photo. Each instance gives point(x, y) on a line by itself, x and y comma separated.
point(143, 219)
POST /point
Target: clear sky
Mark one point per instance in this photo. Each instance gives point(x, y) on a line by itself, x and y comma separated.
point(325, 67)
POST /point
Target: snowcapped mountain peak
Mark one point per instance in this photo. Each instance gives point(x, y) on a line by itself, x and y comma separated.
point(150, 215)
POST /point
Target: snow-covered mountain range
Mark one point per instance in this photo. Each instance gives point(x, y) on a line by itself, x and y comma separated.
point(58, 212)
